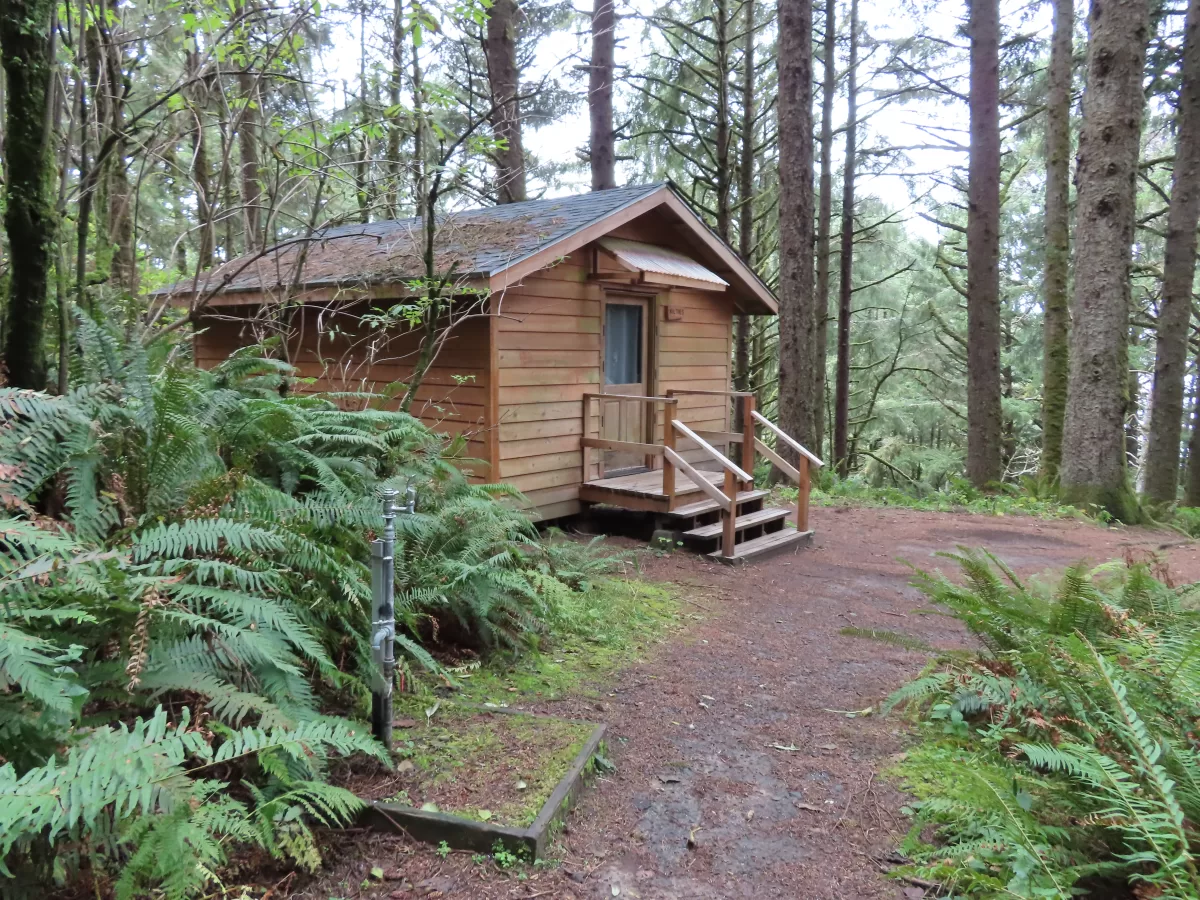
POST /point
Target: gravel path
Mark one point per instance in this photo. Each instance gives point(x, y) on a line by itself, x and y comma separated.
point(740, 773)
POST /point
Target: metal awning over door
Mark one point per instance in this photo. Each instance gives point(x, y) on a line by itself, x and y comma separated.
point(659, 264)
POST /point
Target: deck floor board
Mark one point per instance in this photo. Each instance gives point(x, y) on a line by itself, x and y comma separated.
point(649, 483)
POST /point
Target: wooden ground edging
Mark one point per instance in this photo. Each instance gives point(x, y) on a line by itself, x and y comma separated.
point(462, 833)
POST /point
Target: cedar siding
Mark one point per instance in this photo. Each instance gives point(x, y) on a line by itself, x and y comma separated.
point(453, 398)
point(513, 381)
point(549, 340)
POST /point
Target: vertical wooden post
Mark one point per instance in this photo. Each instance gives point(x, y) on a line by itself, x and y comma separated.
point(802, 495)
point(748, 433)
point(729, 519)
point(670, 413)
point(587, 406)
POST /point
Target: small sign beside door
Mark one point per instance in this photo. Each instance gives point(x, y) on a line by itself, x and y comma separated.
point(674, 313)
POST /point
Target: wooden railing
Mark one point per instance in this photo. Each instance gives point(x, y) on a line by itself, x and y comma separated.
point(726, 499)
point(799, 475)
point(735, 475)
point(586, 443)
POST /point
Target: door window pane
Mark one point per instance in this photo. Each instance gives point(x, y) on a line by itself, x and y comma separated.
point(622, 344)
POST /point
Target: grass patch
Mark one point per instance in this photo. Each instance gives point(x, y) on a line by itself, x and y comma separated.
point(501, 767)
point(492, 767)
point(959, 496)
point(591, 635)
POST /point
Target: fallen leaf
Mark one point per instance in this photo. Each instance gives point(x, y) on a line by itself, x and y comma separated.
point(829, 746)
point(432, 711)
point(809, 807)
point(429, 807)
point(377, 873)
point(790, 748)
point(749, 814)
point(485, 815)
point(521, 785)
point(405, 766)
point(616, 891)
point(405, 723)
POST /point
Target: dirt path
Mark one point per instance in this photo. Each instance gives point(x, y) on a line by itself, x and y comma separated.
point(703, 735)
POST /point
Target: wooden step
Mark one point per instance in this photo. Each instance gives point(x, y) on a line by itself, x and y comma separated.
point(707, 506)
point(759, 547)
point(749, 520)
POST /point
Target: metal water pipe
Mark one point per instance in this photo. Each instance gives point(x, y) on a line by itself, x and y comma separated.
point(383, 615)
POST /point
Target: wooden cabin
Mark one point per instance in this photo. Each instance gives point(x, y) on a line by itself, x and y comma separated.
point(586, 357)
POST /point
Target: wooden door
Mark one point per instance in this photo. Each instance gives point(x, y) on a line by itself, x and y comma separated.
point(626, 371)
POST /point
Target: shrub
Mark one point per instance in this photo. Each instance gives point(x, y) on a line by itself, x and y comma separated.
point(185, 593)
point(1062, 756)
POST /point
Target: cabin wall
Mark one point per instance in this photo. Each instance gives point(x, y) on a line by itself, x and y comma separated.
point(549, 355)
point(338, 353)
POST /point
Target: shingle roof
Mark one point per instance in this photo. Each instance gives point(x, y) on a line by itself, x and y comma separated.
point(478, 242)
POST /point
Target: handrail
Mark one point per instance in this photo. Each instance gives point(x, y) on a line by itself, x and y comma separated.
point(727, 464)
point(787, 439)
point(780, 463)
point(673, 392)
point(699, 480)
point(642, 397)
point(622, 446)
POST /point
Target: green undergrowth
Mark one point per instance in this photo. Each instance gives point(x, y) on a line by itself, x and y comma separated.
point(593, 634)
point(498, 767)
point(958, 496)
point(1061, 759)
point(474, 754)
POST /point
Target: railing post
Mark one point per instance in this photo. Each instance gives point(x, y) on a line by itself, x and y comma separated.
point(587, 408)
point(802, 494)
point(670, 410)
point(729, 520)
point(747, 432)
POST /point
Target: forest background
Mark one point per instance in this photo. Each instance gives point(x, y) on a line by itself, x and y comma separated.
point(165, 138)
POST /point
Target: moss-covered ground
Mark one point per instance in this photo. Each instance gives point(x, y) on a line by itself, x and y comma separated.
point(467, 750)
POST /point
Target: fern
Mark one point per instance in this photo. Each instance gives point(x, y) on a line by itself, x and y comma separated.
point(1085, 694)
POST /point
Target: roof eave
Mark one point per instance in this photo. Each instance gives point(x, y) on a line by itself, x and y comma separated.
point(746, 281)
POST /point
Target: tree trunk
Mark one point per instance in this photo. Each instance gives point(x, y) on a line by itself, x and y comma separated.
point(984, 416)
point(841, 408)
point(1093, 467)
point(1132, 402)
point(1057, 317)
point(27, 48)
point(201, 170)
point(504, 78)
point(1191, 489)
point(248, 135)
point(741, 352)
point(395, 123)
point(825, 204)
point(118, 191)
point(800, 315)
point(602, 149)
point(1179, 272)
point(420, 130)
point(721, 138)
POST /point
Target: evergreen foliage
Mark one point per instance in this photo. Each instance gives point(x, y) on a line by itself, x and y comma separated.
point(1062, 757)
point(183, 566)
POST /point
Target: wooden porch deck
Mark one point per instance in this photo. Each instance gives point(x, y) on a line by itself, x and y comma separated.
point(650, 483)
point(645, 491)
point(701, 506)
